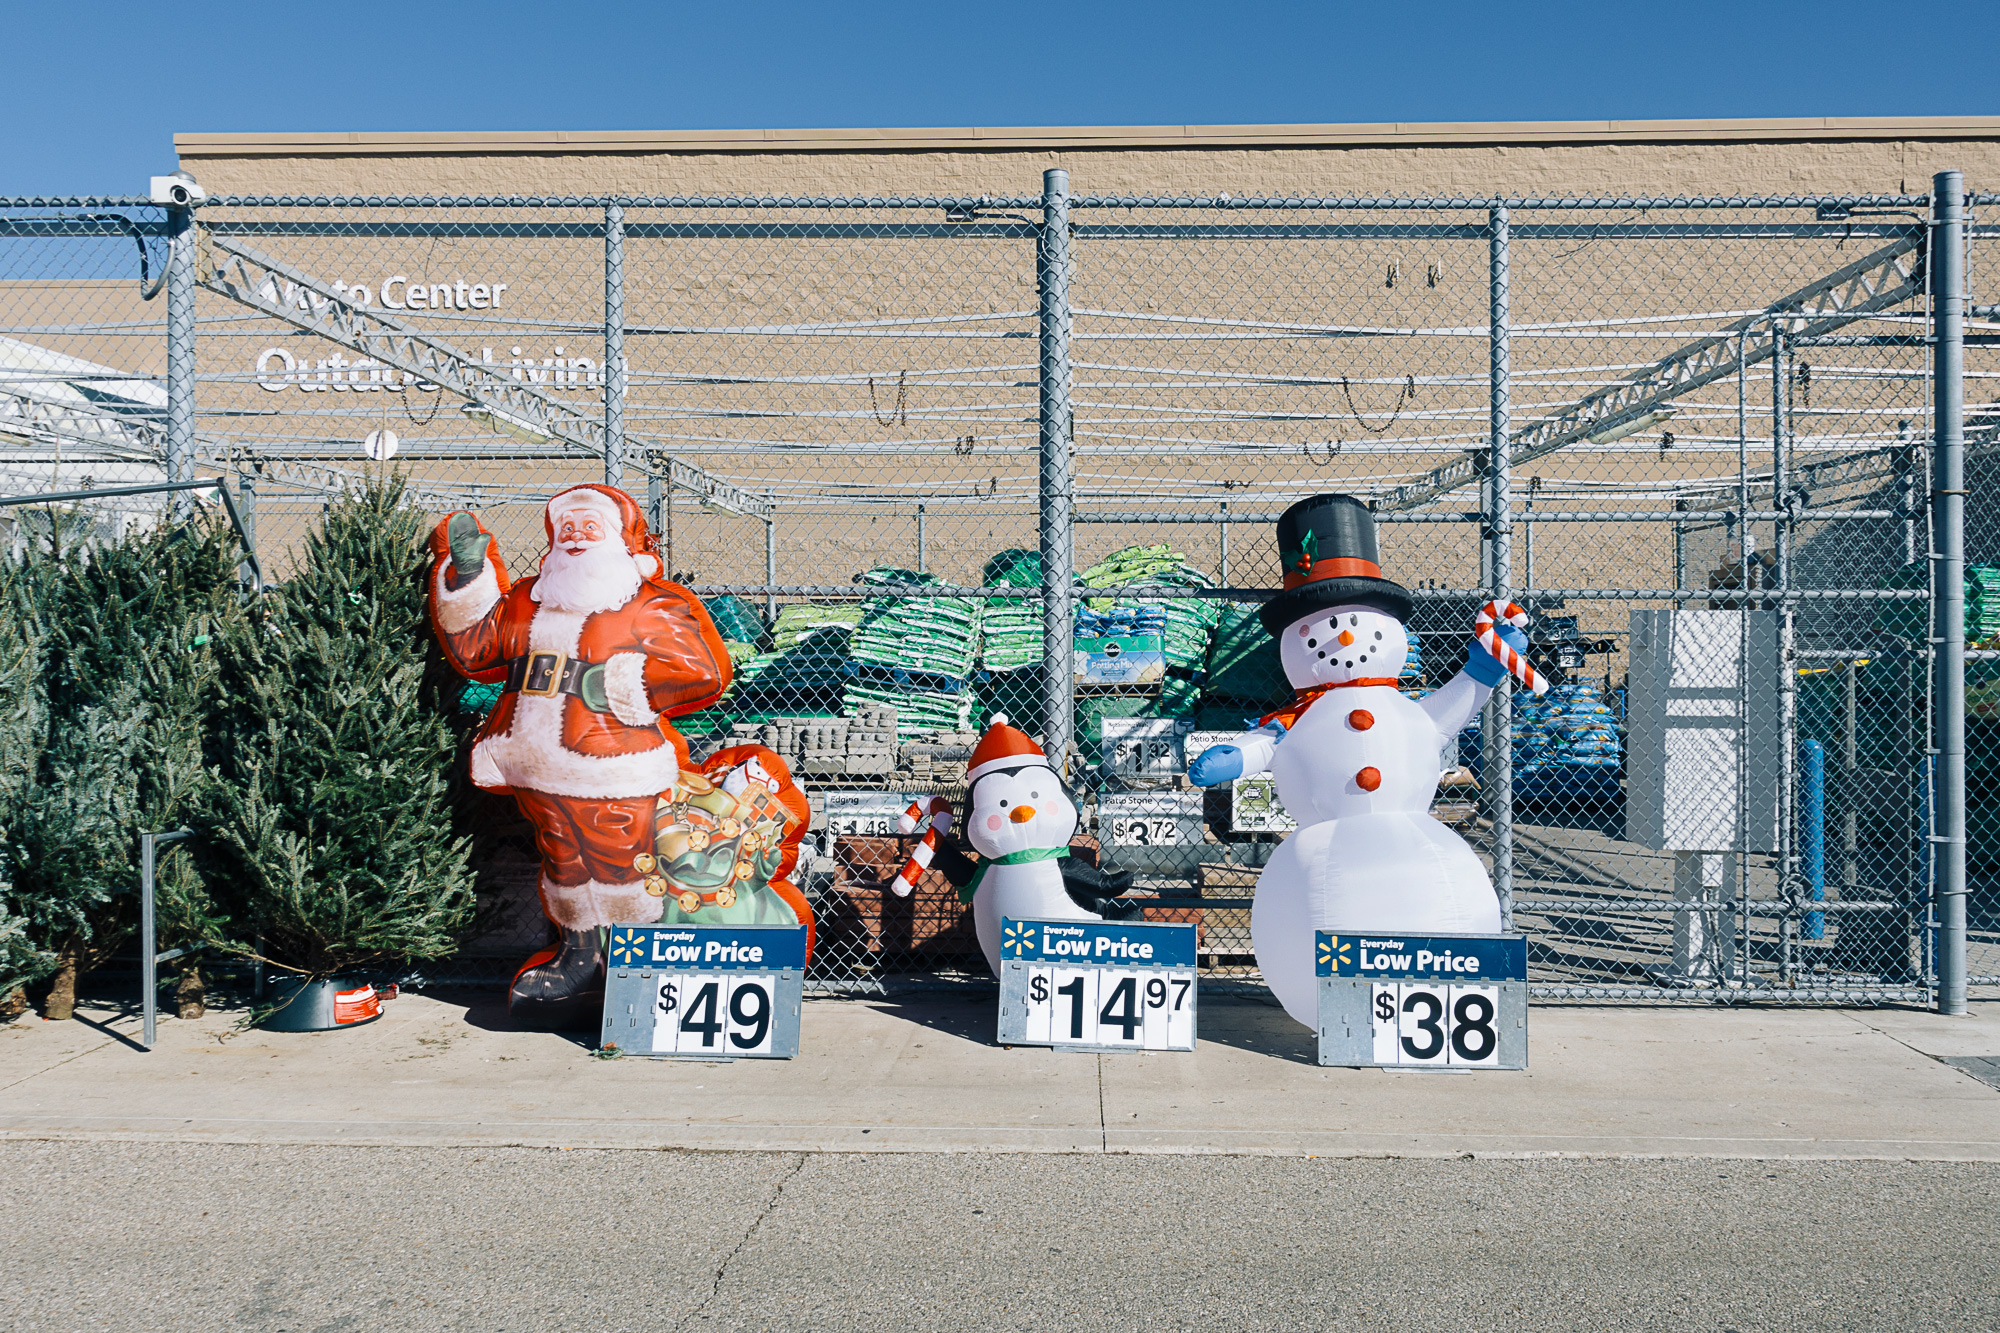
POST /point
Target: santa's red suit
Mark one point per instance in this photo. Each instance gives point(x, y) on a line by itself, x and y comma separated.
point(592, 666)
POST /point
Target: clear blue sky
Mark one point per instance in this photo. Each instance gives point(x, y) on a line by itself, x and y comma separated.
point(94, 91)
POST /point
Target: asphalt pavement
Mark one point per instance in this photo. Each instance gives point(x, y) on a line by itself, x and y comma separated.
point(180, 1236)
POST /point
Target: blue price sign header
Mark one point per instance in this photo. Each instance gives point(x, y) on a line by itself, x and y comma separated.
point(1423, 957)
point(710, 948)
point(1108, 943)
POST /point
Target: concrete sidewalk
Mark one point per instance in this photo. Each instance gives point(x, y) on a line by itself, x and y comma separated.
point(922, 1073)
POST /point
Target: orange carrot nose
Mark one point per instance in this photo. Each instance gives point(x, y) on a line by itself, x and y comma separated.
point(1021, 814)
point(1346, 638)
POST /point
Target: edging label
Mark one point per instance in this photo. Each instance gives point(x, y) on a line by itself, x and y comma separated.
point(1422, 957)
point(1106, 944)
point(710, 948)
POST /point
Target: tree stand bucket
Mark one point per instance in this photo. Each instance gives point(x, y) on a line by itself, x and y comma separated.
point(322, 1006)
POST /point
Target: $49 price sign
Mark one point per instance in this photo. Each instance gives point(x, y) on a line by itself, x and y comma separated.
point(704, 992)
point(1097, 986)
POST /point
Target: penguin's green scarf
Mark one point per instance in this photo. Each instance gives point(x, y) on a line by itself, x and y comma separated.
point(971, 886)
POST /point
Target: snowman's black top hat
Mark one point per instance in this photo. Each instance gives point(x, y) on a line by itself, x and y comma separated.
point(1326, 548)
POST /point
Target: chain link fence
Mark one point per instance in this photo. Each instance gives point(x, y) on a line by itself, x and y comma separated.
point(930, 460)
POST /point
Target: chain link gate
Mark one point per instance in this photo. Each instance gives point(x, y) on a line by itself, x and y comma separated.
point(934, 459)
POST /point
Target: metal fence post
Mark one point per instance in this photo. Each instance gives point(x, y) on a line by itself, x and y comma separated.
point(149, 963)
point(1499, 730)
point(771, 561)
point(1947, 276)
point(1057, 503)
point(614, 345)
point(180, 354)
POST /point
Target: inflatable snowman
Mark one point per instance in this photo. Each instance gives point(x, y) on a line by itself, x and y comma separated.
point(1355, 761)
point(1020, 818)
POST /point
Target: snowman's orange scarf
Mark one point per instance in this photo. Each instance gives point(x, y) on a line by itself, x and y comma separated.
point(1289, 714)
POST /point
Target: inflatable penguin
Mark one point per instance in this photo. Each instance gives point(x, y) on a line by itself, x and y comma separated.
point(1356, 762)
point(1020, 818)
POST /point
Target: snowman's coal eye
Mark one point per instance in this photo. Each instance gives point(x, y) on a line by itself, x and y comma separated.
point(1354, 620)
point(1003, 805)
point(1034, 796)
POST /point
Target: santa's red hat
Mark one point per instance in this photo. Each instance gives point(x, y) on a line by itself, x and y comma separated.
point(1003, 746)
point(619, 509)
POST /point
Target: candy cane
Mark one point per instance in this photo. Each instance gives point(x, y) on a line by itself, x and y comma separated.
point(934, 819)
point(1489, 639)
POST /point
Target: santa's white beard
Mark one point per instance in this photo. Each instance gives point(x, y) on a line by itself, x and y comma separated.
point(605, 576)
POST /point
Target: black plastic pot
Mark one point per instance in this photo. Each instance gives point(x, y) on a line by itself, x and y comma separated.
point(322, 1006)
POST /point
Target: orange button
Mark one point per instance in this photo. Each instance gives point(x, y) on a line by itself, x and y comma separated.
point(1361, 719)
point(1368, 779)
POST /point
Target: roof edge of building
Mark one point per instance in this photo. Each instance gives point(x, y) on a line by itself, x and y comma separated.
point(1467, 134)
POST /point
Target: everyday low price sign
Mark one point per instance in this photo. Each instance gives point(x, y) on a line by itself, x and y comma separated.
point(1097, 986)
point(1423, 1001)
point(704, 992)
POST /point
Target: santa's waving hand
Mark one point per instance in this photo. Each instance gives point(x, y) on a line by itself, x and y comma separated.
point(594, 655)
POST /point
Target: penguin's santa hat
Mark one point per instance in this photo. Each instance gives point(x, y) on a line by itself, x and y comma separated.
point(1003, 746)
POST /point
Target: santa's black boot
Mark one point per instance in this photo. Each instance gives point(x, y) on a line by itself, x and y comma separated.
point(562, 991)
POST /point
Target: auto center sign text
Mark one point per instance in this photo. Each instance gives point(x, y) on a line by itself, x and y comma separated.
point(279, 369)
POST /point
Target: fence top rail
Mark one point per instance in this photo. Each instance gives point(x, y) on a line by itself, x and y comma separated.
point(78, 201)
point(1220, 200)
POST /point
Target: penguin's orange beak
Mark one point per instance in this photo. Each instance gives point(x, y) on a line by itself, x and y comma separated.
point(1021, 814)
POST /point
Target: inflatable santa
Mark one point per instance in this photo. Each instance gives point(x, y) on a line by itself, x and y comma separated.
point(594, 655)
point(1355, 761)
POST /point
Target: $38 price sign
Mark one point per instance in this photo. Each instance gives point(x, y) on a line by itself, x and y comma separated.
point(722, 1013)
point(1417, 1023)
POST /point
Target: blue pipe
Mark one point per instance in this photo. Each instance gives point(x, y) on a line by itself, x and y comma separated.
point(1814, 858)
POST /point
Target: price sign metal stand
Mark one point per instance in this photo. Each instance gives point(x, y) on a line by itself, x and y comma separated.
point(1097, 986)
point(704, 992)
point(1423, 1001)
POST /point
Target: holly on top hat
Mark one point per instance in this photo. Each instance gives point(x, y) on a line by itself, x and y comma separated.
point(1328, 556)
point(1003, 746)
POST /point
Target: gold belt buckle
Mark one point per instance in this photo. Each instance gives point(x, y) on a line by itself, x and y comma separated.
point(546, 668)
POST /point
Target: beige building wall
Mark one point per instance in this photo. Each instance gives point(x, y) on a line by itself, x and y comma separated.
point(1707, 157)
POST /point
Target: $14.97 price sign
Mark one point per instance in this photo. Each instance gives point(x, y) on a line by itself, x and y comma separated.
point(1097, 986)
point(704, 992)
point(1423, 1001)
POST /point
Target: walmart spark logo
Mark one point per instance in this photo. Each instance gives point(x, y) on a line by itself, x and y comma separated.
point(1016, 938)
point(627, 946)
point(1336, 953)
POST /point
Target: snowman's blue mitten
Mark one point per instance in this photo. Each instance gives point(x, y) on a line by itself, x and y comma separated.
point(1216, 764)
point(1483, 666)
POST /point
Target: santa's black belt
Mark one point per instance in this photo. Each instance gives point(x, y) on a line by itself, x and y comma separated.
point(545, 675)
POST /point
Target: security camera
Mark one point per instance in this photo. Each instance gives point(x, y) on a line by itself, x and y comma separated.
point(178, 191)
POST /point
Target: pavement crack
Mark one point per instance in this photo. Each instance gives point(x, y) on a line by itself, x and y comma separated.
point(1103, 1130)
point(756, 1224)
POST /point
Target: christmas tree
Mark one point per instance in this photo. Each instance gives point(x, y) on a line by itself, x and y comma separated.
point(332, 820)
point(124, 635)
point(23, 729)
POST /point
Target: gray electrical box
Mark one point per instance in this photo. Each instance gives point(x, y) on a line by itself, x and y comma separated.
point(1696, 727)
